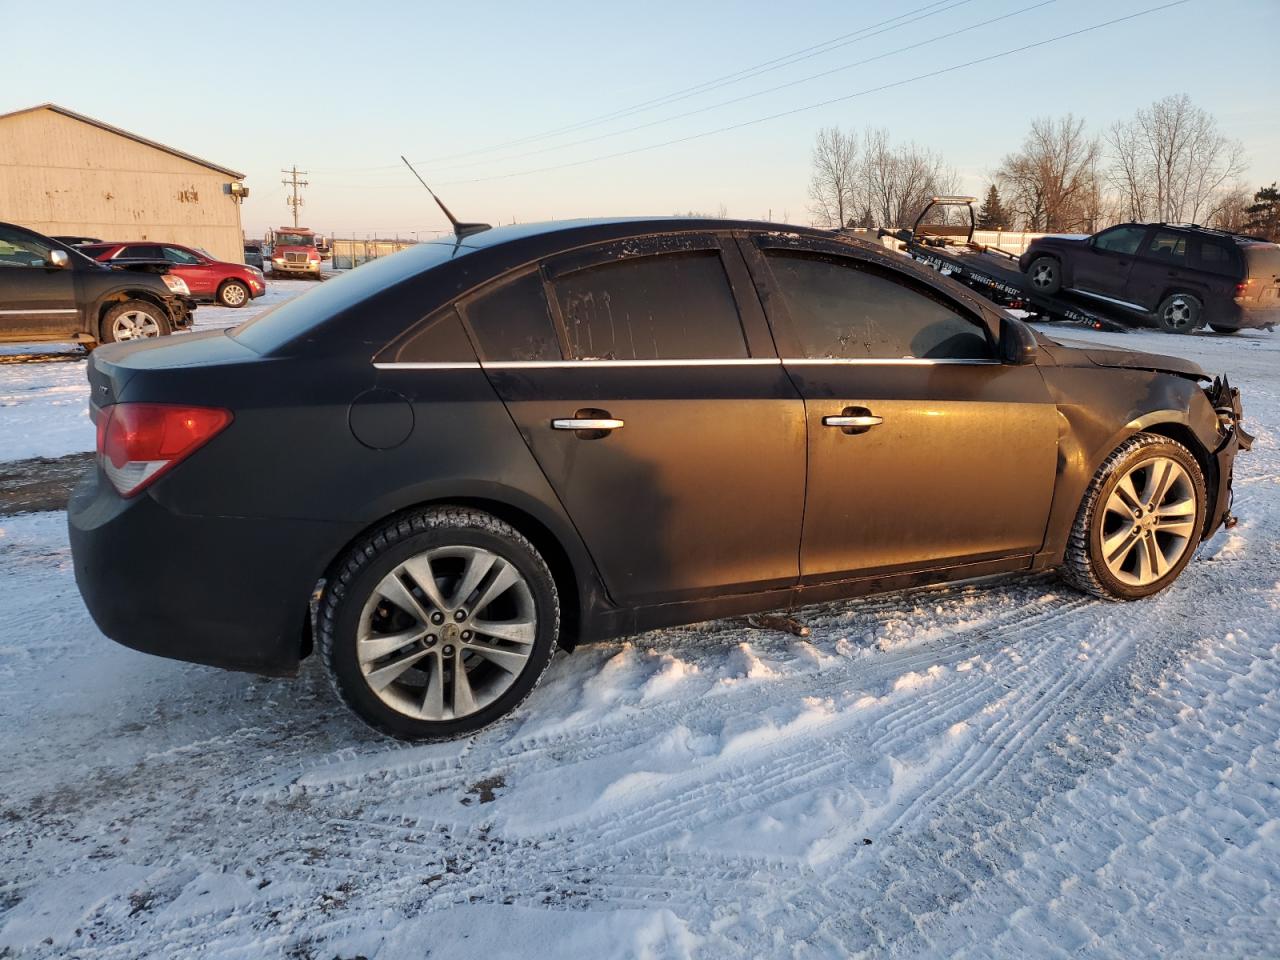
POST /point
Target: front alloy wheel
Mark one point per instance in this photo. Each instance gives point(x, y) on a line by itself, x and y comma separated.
point(1140, 521)
point(233, 294)
point(133, 320)
point(1045, 275)
point(446, 627)
point(1179, 313)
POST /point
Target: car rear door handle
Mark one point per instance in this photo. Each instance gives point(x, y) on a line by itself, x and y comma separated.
point(587, 423)
point(861, 420)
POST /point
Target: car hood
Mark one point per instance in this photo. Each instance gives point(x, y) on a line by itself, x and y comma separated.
point(1081, 353)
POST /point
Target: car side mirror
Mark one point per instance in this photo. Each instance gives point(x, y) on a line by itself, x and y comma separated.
point(59, 260)
point(1017, 342)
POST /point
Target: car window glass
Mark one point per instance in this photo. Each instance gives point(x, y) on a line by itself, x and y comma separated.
point(668, 307)
point(140, 251)
point(1120, 240)
point(1167, 245)
point(511, 322)
point(438, 339)
point(843, 309)
point(174, 255)
point(17, 250)
point(1218, 256)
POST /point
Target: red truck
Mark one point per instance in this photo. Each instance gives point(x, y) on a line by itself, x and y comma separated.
point(217, 281)
point(293, 250)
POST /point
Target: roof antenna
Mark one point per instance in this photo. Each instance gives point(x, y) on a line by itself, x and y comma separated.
point(460, 230)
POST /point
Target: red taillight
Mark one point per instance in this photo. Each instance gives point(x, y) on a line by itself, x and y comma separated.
point(137, 442)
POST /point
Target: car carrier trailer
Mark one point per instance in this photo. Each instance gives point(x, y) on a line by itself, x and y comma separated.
point(990, 271)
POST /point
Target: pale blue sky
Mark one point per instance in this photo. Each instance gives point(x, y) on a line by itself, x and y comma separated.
point(343, 88)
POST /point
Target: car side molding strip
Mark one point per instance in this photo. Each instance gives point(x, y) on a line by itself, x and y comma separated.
point(743, 362)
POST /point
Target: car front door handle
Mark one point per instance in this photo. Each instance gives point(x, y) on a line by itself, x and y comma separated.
point(860, 420)
point(587, 423)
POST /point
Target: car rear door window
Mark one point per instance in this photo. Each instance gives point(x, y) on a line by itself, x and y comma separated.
point(140, 251)
point(175, 255)
point(676, 306)
point(1167, 247)
point(843, 309)
point(439, 339)
point(1120, 239)
point(511, 321)
point(1218, 256)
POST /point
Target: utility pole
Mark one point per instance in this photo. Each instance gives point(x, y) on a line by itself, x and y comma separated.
point(294, 201)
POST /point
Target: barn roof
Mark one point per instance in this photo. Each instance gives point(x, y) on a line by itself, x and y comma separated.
point(233, 174)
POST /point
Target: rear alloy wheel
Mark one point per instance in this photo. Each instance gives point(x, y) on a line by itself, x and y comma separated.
point(438, 624)
point(133, 320)
point(1045, 276)
point(1140, 520)
point(233, 293)
point(1179, 313)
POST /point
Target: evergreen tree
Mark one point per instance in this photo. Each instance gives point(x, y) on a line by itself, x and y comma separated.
point(991, 214)
point(1264, 214)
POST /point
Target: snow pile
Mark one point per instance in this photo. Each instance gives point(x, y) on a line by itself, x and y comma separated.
point(1008, 769)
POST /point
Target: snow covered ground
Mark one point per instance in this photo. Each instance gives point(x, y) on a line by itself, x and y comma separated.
point(1007, 769)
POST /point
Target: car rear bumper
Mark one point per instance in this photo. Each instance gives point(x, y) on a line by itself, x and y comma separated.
point(230, 592)
point(1249, 316)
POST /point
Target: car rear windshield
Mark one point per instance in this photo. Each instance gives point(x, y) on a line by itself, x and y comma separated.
point(1263, 260)
point(288, 321)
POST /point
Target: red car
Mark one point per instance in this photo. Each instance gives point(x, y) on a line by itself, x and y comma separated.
point(230, 284)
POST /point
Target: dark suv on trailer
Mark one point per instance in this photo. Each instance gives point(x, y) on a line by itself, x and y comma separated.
point(50, 291)
point(545, 434)
point(1179, 277)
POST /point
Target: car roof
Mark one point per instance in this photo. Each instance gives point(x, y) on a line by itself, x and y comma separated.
point(617, 227)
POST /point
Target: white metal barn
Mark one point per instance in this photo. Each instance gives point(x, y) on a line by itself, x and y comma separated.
point(67, 174)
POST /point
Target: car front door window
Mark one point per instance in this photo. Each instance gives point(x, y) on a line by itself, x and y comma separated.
point(19, 251)
point(174, 255)
point(1120, 240)
point(847, 310)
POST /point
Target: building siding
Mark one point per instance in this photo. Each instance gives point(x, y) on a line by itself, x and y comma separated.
point(60, 175)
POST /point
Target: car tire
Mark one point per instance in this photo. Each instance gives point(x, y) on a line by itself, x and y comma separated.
point(392, 653)
point(1179, 313)
point(1224, 331)
point(1120, 547)
point(133, 320)
point(1044, 276)
point(233, 294)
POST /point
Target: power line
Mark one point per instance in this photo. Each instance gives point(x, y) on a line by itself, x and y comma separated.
point(759, 93)
point(705, 87)
point(824, 103)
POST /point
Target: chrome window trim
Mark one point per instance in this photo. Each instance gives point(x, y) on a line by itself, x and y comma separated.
point(7, 313)
point(434, 365)
point(883, 361)
point(568, 364)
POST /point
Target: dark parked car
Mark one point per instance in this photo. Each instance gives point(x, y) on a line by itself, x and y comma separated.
point(253, 255)
point(76, 241)
point(50, 291)
point(547, 434)
point(1178, 277)
point(210, 280)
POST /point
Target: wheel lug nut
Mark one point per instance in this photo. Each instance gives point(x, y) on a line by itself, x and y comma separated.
point(437, 618)
point(431, 640)
point(466, 634)
point(448, 651)
point(460, 615)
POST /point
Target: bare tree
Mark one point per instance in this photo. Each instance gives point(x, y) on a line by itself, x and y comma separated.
point(895, 183)
point(831, 186)
point(1231, 209)
point(1171, 163)
point(1051, 184)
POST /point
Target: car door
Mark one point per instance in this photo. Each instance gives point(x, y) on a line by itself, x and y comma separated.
point(37, 299)
point(924, 450)
point(655, 404)
point(200, 275)
point(1163, 263)
point(1102, 265)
